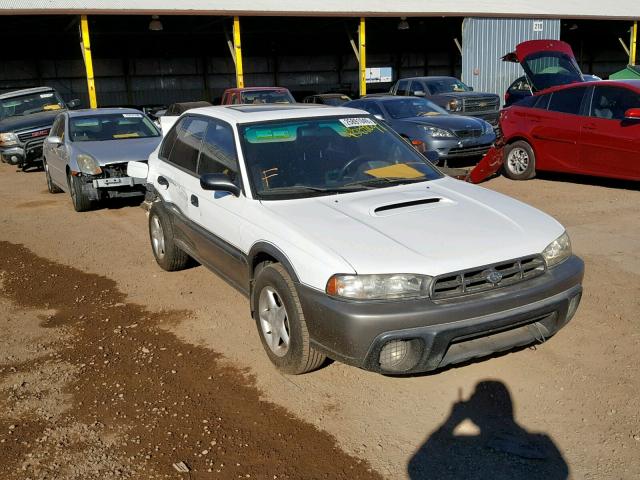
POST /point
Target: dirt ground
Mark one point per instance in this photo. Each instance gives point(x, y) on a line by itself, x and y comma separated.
point(113, 368)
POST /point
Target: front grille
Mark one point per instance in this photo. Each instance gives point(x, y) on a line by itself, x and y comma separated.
point(482, 104)
point(477, 279)
point(33, 133)
point(468, 151)
point(468, 133)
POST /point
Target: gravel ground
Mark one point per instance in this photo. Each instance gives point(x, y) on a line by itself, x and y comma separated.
point(569, 408)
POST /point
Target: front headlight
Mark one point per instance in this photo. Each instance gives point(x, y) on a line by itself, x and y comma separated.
point(8, 139)
point(379, 287)
point(558, 250)
point(436, 132)
point(88, 164)
point(454, 105)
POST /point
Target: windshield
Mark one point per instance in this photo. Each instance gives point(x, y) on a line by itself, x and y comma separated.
point(412, 107)
point(267, 96)
point(335, 101)
point(111, 126)
point(292, 159)
point(548, 69)
point(446, 85)
point(28, 104)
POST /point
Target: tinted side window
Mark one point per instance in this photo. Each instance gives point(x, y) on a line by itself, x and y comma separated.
point(402, 87)
point(57, 129)
point(190, 132)
point(218, 152)
point(542, 102)
point(167, 144)
point(416, 87)
point(567, 101)
point(527, 102)
point(613, 102)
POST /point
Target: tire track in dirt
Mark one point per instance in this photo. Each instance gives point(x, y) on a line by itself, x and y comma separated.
point(139, 399)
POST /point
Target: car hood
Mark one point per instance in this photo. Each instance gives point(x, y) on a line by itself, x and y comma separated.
point(534, 54)
point(23, 122)
point(450, 122)
point(118, 151)
point(463, 226)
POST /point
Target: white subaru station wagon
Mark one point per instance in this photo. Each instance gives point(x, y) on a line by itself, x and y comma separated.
point(350, 244)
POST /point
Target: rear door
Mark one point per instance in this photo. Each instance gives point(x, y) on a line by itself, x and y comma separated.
point(176, 174)
point(610, 145)
point(556, 130)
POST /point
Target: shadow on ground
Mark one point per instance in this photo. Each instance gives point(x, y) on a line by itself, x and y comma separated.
point(482, 440)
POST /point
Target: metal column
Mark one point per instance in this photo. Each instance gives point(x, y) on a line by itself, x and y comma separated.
point(237, 49)
point(633, 47)
point(362, 57)
point(88, 62)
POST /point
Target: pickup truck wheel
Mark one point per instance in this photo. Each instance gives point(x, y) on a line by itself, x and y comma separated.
point(81, 201)
point(281, 323)
point(519, 161)
point(52, 187)
point(166, 252)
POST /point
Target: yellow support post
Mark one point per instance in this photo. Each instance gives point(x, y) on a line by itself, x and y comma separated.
point(362, 52)
point(88, 62)
point(633, 50)
point(237, 47)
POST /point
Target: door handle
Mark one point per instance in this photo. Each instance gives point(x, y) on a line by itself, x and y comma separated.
point(589, 126)
point(163, 181)
point(194, 201)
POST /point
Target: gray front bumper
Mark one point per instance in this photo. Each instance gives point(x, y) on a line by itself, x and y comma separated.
point(449, 331)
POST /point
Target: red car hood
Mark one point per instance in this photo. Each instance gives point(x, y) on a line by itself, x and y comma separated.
point(547, 63)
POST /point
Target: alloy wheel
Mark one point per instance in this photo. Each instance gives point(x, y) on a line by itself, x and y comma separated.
point(274, 321)
point(518, 160)
point(157, 237)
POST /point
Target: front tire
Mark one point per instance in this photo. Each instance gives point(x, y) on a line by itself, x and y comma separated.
point(281, 323)
point(164, 248)
point(519, 161)
point(52, 187)
point(81, 201)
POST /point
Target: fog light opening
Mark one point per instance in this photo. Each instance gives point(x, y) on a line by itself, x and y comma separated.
point(573, 307)
point(400, 355)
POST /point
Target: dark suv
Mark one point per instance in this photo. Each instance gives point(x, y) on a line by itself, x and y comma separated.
point(26, 117)
point(452, 95)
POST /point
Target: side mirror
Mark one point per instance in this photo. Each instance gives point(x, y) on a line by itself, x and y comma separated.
point(219, 182)
point(55, 141)
point(632, 114)
point(380, 117)
point(137, 169)
point(75, 103)
point(419, 93)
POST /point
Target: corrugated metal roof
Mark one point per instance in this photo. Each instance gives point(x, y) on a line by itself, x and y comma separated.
point(504, 8)
point(486, 40)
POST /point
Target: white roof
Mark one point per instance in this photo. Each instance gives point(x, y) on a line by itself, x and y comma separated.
point(628, 9)
point(238, 114)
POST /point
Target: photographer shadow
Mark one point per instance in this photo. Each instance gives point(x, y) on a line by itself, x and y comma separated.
point(481, 440)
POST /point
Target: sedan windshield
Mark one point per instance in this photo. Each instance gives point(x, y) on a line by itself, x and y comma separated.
point(111, 126)
point(412, 107)
point(446, 85)
point(319, 156)
point(267, 96)
point(28, 104)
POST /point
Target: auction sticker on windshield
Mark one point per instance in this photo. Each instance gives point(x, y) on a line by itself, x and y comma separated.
point(357, 122)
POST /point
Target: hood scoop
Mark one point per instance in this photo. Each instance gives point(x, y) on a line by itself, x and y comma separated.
point(411, 205)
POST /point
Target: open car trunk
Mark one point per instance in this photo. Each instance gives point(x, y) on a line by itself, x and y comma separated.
point(547, 63)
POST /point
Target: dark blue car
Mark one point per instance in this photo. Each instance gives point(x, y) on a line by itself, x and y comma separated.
point(430, 128)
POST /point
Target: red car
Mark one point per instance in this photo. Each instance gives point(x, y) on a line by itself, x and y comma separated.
point(569, 125)
point(258, 95)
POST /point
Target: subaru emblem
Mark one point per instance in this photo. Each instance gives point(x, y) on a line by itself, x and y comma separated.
point(492, 276)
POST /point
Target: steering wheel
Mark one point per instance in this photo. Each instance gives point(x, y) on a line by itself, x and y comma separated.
point(354, 161)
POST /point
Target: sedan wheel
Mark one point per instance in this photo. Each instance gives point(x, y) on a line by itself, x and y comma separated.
point(520, 161)
point(157, 237)
point(274, 321)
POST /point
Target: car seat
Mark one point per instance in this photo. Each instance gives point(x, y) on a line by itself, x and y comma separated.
point(603, 110)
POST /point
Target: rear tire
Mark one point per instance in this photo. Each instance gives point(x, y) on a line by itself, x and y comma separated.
point(52, 187)
point(519, 161)
point(281, 323)
point(164, 248)
point(81, 201)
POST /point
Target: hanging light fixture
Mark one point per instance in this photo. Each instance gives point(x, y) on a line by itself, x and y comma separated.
point(403, 24)
point(155, 25)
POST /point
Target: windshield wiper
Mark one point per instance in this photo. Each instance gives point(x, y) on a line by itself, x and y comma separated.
point(385, 181)
point(309, 188)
